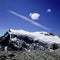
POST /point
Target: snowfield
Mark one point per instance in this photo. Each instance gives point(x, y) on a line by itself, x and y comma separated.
point(41, 36)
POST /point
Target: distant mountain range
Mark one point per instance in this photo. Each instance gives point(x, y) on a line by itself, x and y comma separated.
point(20, 40)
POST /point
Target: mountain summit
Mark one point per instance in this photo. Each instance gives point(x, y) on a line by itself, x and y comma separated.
point(26, 41)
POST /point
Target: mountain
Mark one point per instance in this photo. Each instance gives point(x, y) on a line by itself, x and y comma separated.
point(20, 40)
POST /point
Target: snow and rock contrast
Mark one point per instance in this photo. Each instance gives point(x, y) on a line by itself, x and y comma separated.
point(26, 41)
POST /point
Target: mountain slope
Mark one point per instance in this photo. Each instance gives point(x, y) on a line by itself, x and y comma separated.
point(33, 55)
point(26, 41)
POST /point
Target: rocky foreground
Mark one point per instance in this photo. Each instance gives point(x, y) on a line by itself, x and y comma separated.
point(32, 55)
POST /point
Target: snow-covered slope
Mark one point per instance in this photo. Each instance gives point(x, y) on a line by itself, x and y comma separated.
point(26, 41)
point(41, 36)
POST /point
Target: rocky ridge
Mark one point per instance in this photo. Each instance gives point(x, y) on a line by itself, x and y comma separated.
point(20, 40)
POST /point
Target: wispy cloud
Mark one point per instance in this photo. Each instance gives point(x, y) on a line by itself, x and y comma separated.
point(29, 20)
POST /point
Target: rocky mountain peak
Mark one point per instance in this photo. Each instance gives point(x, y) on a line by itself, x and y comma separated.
point(25, 41)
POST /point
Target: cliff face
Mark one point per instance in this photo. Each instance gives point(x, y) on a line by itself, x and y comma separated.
point(26, 41)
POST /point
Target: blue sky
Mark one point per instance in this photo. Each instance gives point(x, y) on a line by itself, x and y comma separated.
point(50, 20)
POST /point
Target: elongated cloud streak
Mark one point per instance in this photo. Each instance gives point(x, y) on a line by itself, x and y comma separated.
point(29, 20)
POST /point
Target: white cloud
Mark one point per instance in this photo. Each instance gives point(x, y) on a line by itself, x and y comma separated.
point(48, 10)
point(29, 20)
point(34, 16)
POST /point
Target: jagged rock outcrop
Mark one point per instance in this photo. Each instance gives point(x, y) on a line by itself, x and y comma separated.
point(20, 40)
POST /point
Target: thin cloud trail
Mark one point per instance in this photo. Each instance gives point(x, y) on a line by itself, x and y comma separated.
point(29, 20)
